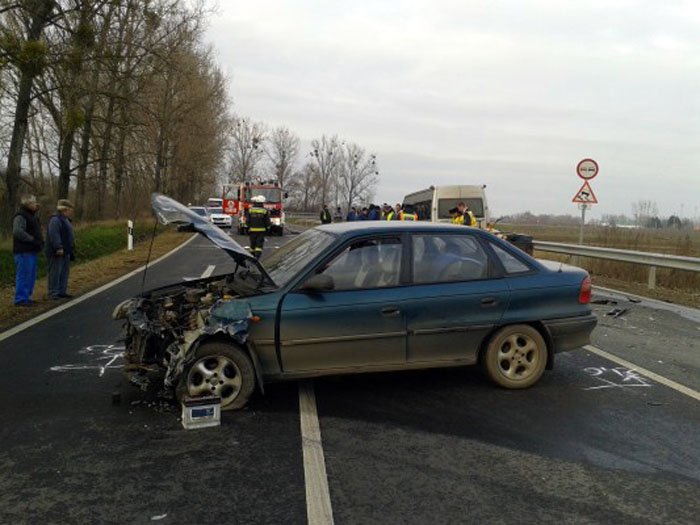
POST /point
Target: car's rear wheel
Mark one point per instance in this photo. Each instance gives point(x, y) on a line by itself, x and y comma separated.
point(516, 357)
point(222, 370)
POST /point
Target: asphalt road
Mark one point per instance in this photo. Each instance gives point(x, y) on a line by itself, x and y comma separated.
point(592, 442)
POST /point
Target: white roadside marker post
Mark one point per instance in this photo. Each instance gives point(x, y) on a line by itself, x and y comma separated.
point(130, 235)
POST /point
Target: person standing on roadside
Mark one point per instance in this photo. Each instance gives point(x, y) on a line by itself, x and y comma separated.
point(325, 215)
point(469, 219)
point(338, 215)
point(60, 249)
point(27, 242)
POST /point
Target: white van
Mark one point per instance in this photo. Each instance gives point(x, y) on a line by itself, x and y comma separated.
point(434, 204)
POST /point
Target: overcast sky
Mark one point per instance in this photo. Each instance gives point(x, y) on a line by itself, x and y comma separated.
point(511, 94)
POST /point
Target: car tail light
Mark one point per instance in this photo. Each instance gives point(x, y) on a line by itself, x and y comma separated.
point(584, 294)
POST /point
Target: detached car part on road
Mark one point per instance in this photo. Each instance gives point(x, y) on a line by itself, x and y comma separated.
point(356, 297)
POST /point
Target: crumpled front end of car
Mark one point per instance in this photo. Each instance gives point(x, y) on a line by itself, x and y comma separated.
point(163, 328)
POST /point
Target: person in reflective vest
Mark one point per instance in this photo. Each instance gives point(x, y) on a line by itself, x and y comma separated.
point(258, 220)
point(407, 213)
point(468, 218)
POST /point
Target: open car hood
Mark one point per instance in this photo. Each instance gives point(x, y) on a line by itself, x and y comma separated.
point(169, 211)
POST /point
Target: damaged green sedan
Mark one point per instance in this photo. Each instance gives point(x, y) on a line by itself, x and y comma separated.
point(355, 297)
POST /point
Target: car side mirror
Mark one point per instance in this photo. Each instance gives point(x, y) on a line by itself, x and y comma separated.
point(319, 283)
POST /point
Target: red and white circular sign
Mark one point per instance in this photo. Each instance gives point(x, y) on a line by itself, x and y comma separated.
point(587, 169)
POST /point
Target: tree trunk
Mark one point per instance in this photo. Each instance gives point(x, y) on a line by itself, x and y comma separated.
point(104, 157)
point(64, 160)
point(84, 157)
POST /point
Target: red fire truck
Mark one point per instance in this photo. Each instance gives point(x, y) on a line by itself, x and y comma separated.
point(237, 200)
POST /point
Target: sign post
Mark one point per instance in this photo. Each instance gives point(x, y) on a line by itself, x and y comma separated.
point(586, 169)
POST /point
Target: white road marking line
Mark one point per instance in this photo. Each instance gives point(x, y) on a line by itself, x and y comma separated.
point(208, 271)
point(39, 318)
point(648, 373)
point(318, 499)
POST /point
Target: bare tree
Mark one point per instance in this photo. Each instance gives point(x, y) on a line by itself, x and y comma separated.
point(247, 148)
point(26, 52)
point(282, 151)
point(328, 155)
point(643, 211)
point(358, 174)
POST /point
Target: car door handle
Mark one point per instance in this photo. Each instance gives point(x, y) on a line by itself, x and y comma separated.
point(488, 301)
point(390, 311)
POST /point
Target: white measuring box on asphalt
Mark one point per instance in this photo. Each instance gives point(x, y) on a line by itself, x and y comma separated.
point(201, 412)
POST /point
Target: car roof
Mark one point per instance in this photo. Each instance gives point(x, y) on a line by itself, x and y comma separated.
point(354, 227)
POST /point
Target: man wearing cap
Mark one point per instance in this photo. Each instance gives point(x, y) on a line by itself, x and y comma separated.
point(60, 249)
point(27, 242)
point(258, 220)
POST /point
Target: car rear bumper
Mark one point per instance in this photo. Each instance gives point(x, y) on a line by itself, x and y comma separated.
point(571, 332)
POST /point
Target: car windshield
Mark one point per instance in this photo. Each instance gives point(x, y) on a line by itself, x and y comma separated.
point(200, 211)
point(270, 194)
point(290, 259)
point(216, 210)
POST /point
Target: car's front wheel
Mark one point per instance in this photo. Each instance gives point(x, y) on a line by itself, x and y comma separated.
point(515, 357)
point(222, 370)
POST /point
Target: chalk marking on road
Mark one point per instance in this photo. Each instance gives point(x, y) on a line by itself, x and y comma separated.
point(109, 353)
point(210, 270)
point(42, 317)
point(648, 373)
point(624, 376)
point(318, 499)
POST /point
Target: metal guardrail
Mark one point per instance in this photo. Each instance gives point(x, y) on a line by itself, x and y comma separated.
point(652, 260)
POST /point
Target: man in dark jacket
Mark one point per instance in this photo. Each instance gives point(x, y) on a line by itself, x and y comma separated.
point(60, 249)
point(27, 242)
point(325, 215)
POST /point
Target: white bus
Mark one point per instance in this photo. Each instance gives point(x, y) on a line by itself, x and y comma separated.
point(434, 203)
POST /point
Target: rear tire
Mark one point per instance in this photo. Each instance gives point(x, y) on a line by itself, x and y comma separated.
point(516, 357)
point(219, 369)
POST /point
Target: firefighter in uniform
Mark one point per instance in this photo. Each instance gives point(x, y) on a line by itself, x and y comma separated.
point(258, 220)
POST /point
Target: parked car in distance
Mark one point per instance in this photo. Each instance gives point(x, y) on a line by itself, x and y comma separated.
point(201, 211)
point(356, 297)
point(219, 218)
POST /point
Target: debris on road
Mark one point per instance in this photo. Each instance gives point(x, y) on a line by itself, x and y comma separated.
point(634, 300)
point(158, 517)
point(603, 301)
point(618, 312)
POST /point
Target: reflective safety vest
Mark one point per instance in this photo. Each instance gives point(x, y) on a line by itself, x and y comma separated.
point(390, 216)
point(458, 219)
point(403, 216)
point(258, 220)
point(469, 219)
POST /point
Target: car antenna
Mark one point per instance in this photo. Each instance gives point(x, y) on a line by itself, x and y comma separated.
point(148, 258)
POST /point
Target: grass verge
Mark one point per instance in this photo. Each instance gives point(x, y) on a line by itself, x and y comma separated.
point(87, 276)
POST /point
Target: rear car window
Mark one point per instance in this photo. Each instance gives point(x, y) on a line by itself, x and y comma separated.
point(510, 262)
point(447, 258)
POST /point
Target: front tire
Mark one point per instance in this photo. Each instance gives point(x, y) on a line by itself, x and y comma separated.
point(222, 370)
point(516, 357)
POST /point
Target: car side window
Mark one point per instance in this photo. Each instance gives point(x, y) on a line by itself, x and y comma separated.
point(446, 258)
point(369, 263)
point(511, 264)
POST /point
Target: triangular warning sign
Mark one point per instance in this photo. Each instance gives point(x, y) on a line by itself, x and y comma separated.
point(585, 195)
